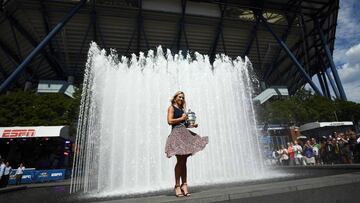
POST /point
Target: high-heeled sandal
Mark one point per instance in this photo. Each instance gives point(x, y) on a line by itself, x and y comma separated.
point(185, 194)
point(178, 194)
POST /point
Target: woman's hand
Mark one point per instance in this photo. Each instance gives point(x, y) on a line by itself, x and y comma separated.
point(184, 117)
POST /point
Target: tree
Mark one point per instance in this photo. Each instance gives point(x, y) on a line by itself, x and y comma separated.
point(304, 107)
point(25, 108)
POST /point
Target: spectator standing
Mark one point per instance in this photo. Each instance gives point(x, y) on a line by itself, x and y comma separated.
point(316, 149)
point(276, 156)
point(329, 152)
point(297, 153)
point(284, 157)
point(346, 154)
point(19, 173)
point(357, 149)
point(309, 153)
point(352, 145)
point(2, 170)
point(7, 173)
point(290, 150)
point(322, 152)
point(337, 155)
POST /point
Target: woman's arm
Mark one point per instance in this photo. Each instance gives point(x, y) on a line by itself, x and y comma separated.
point(170, 117)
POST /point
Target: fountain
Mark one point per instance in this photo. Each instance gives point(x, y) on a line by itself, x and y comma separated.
point(122, 124)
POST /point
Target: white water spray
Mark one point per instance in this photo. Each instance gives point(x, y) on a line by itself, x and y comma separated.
point(123, 129)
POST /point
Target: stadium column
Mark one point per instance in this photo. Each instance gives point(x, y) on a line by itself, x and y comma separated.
point(93, 24)
point(305, 44)
point(139, 29)
point(283, 37)
point(54, 64)
point(325, 83)
point(4, 86)
point(180, 29)
point(292, 57)
point(322, 85)
point(15, 60)
point(336, 91)
point(325, 69)
point(45, 18)
point(251, 38)
point(96, 28)
point(219, 33)
point(93, 20)
point(330, 60)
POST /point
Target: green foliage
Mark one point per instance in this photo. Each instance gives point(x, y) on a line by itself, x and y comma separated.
point(347, 110)
point(29, 109)
point(304, 107)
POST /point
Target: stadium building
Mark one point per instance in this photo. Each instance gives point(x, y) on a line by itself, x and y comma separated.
point(287, 41)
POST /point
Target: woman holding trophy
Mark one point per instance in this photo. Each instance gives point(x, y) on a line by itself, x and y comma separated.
point(182, 142)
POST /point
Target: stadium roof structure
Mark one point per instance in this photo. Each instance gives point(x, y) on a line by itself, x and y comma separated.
point(287, 41)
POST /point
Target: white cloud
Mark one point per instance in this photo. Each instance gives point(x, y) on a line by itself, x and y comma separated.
point(346, 55)
point(347, 48)
point(353, 55)
point(352, 91)
point(339, 56)
point(349, 73)
point(348, 23)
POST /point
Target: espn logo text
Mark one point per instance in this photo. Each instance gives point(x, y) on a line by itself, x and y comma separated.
point(18, 133)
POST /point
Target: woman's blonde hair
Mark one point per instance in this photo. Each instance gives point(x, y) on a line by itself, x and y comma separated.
point(174, 97)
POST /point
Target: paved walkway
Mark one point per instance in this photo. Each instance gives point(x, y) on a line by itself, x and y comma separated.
point(10, 188)
point(308, 190)
point(339, 183)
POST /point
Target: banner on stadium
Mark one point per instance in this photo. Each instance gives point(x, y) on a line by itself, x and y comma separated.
point(34, 131)
point(36, 176)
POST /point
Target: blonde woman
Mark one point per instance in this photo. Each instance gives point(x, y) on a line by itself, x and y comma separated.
point(181, 142)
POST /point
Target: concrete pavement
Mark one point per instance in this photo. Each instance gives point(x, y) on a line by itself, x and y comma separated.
point(334, 188)
point(337, 183)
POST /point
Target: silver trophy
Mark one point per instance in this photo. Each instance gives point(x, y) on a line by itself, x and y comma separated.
point(191, 118)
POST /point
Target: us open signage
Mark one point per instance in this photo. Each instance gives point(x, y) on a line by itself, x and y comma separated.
point(17, 133)
point(34, 131)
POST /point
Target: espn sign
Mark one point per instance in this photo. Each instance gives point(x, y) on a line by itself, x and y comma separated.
point(18, 133)
point(34, 131)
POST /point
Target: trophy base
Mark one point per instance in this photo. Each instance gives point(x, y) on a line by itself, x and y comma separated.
point(192, 125)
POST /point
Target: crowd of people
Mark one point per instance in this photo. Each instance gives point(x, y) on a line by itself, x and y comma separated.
point(5, 171)
point(338, 148)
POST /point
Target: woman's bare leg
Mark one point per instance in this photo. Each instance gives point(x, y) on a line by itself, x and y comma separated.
point(178, 169)
point(178, 172)
point(184, 175)
point(183, 170)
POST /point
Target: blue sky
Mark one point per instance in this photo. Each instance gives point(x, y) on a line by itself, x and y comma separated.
point(347, 48)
